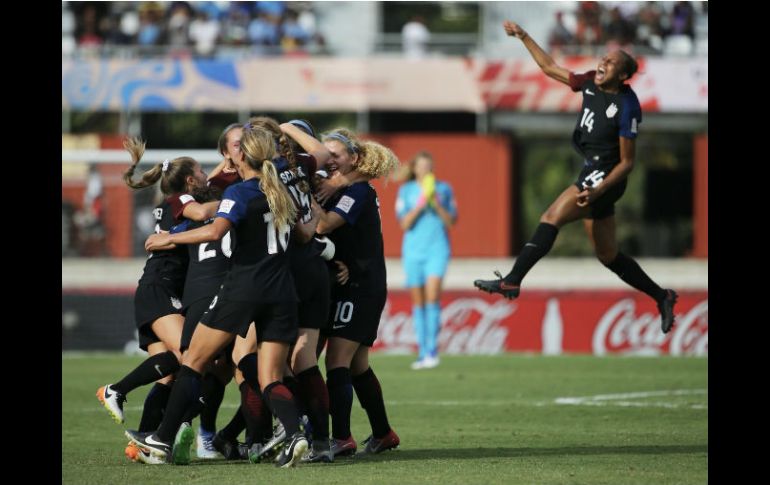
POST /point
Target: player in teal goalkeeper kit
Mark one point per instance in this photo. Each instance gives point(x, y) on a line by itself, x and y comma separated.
point(426, 209)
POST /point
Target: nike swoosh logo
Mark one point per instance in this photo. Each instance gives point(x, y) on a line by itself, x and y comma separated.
point(157, 368)
point(201, 400)
point(588, 91)
point(530, 244)
point(335, 327)
point(151, 441)
point(107, 394)
point(506, 286)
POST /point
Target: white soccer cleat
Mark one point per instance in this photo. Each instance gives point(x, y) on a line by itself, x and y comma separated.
point(112, 401)
point(204, 446)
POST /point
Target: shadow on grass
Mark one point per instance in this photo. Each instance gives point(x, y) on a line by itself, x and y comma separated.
point(481, 453)
point(484, 453)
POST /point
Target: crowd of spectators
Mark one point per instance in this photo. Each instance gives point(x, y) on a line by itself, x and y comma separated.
point(671, 28)
point(190, 28)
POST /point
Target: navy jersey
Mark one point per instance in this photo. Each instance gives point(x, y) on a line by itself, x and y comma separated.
point(603, 118)
point(259, 264)
point(167, 266)
point(209, 263)
point(306, 265)
point(359, 241)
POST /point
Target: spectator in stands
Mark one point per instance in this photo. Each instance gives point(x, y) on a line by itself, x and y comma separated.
point(589, 29)
point(560, 35)
point(619, 32)
point(649, 31)
point(178, 27)
point(605, 136)
point(293, 35)
point(204, 32)
point(683, 19)
point(425, 209)
point(264, 31)
point(414, 37)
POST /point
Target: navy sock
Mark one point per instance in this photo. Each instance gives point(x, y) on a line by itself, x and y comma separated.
point(153, 368)
point(369, 393)
point(340, 401)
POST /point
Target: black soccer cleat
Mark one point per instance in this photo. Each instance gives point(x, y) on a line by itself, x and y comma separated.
point(498, 286)
point(666, 309)
point(227, 448)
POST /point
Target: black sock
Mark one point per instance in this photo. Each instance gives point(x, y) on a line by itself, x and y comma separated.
point(281, 402)
point(213, 391)
point(152, 369)
point(292, 383)
point(234, 427)
point(369, 393)
point(154, 406)
point(184, 394)
point(255, 413)
point(536, 248)
point(340, 401)
point(248, 367)
point(314, 397)
point(629, 271)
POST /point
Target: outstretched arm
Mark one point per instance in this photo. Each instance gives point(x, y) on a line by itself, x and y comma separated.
point(545, 61)
point(209, 232)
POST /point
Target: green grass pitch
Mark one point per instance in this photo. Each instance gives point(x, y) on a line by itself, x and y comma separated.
point(475, 419)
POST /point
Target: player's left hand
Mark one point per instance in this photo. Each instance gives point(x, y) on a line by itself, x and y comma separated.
point(587, 196)
point(158, 241)
point(327, 187)
point(343, 275)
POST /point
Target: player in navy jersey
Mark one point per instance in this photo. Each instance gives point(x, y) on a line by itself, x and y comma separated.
point(259, 288)
point(208, 265)
point(352, 222)
point(301, 153)
point(157, 301)
point(226, 174)
point(605, 136)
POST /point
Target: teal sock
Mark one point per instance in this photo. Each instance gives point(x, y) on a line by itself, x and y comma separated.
point(418, 321)
point(433, 326)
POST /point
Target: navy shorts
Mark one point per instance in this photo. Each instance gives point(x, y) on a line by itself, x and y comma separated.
point(356, 317)
point(275, 322)
point(604, 206)
point(152, 302)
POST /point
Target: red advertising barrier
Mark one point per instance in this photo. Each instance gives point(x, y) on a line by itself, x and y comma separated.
point(599, 322)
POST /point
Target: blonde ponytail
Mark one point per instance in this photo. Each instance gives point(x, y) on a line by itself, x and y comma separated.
point(278, 198)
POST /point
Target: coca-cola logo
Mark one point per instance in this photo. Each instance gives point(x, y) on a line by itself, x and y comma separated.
point(468, 326)
point(621, 331)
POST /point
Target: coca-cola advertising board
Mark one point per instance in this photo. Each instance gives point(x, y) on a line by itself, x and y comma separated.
point(600, 322)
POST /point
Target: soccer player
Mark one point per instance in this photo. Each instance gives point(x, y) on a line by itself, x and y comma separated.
point(352, 222)
point(157, 301)
point(426, 209)
point(605, 136)
point(258, 288)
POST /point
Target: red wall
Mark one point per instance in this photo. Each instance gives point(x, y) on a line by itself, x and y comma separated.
point(701, 196)
point(479, 170)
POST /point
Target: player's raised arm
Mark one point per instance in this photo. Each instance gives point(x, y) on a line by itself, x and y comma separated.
point(545, 61)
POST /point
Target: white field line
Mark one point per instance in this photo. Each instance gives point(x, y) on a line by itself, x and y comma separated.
point(620, 399)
